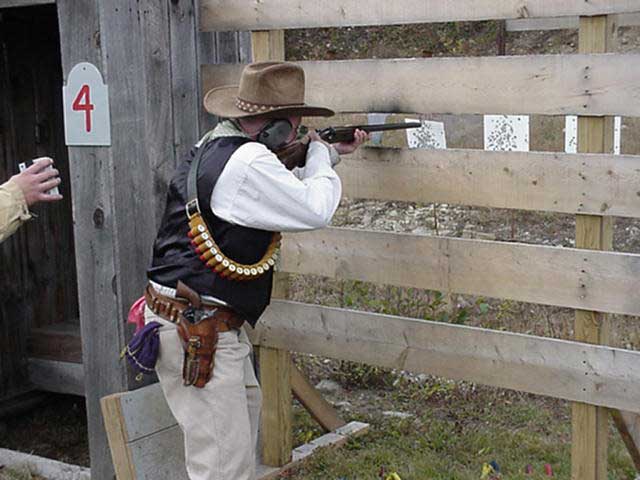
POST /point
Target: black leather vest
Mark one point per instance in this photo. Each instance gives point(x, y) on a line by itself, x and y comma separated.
point(174, 258)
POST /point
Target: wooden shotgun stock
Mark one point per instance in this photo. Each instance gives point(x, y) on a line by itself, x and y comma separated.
point(295, 154)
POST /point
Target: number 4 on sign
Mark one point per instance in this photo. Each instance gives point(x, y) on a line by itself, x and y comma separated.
point(86, 107)
point(84, 96)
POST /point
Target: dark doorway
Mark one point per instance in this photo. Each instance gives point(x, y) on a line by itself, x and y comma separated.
point(38, 284)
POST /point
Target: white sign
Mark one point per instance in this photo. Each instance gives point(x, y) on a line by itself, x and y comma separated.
point(428, 135)
point(617, 133)
point(86, 107)
point(571, 134)
point(507, 133)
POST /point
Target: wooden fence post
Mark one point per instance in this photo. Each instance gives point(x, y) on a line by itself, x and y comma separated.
point(275, 365)
point(118, 190)
point(590, 423)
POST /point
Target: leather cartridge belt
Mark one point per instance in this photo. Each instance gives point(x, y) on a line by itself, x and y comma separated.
point(170, 309)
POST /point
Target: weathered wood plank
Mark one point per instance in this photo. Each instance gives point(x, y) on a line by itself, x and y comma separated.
point(118, 191)
point(59, 377)
point(628, 424)
point(185, 86)
point(329, 440)
point(220, 47)
point(276, 436)
point(583, 279)
point(227, 47)
point(150, 400)
point(595, 374)
point(267, 45)
point(118, 436)
point(38, 288)
point(59, 342)
point(149, 446)
point(150, 461)
point(153, 448)
point(277, 14)
point(312, 400)
point(590, 425)
point(159, 456)
point(276, 418)
point(24, 3)
point(560, 23)
point(602, 84)
point(94, 215)
point(555, 182)
point(157, 415)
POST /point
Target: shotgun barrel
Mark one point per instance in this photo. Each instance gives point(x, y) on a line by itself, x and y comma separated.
point(346, 133)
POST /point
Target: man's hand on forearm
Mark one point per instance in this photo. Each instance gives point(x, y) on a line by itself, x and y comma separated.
point(344, 148)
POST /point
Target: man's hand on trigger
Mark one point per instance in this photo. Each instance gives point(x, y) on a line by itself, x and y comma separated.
point(343, 148)
point(36, 181)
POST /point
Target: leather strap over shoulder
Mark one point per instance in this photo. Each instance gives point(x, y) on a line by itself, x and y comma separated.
point(193, 206)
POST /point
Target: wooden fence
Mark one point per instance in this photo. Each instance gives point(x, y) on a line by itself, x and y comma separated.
point(593, 184)
point(149, 54)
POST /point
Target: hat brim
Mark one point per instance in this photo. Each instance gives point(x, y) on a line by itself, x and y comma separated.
point(221, 101)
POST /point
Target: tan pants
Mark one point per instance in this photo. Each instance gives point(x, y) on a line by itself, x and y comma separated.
point(219, 422)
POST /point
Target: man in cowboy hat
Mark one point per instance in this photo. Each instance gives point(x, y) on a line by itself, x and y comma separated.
point(225, 205)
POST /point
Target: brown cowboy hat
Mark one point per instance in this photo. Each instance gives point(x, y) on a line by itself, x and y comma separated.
point(266, 88)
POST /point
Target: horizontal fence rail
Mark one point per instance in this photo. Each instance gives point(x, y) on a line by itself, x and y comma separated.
point(225, 15)
point(573, 371)
point(598, 84)
point(24, 3)
point(566, 277)
point(528, 24)
point(555, 182)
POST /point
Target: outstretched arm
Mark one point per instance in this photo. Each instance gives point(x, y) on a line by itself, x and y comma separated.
point(24, 190)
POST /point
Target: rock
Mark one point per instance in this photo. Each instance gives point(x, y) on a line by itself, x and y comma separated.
point(462, 302)
point(344, 405)
point(420, 231)
point(329, 386)
point(391, 413)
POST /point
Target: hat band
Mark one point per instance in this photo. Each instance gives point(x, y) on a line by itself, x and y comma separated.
point(251, 107)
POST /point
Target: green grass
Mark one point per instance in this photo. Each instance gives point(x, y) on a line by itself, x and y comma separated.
point(456, 426)
point(455, 429)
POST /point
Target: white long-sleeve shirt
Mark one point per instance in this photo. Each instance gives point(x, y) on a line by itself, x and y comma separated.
point(256, 190)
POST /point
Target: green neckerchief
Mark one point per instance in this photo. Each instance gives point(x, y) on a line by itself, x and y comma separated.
point(225, 128)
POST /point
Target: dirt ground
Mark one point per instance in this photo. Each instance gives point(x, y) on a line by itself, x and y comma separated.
point(58, 429)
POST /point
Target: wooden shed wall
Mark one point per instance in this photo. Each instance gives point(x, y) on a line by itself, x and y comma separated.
point(38, 285)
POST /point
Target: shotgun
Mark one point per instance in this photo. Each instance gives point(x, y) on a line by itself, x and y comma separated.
point(295, 154)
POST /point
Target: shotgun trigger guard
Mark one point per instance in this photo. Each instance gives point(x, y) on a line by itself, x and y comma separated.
point(327, 134)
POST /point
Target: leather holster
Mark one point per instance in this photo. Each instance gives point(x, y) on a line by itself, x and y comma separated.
point(198, 327)
point(199, 342)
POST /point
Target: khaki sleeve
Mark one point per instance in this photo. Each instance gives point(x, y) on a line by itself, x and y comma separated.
point(13, 209)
